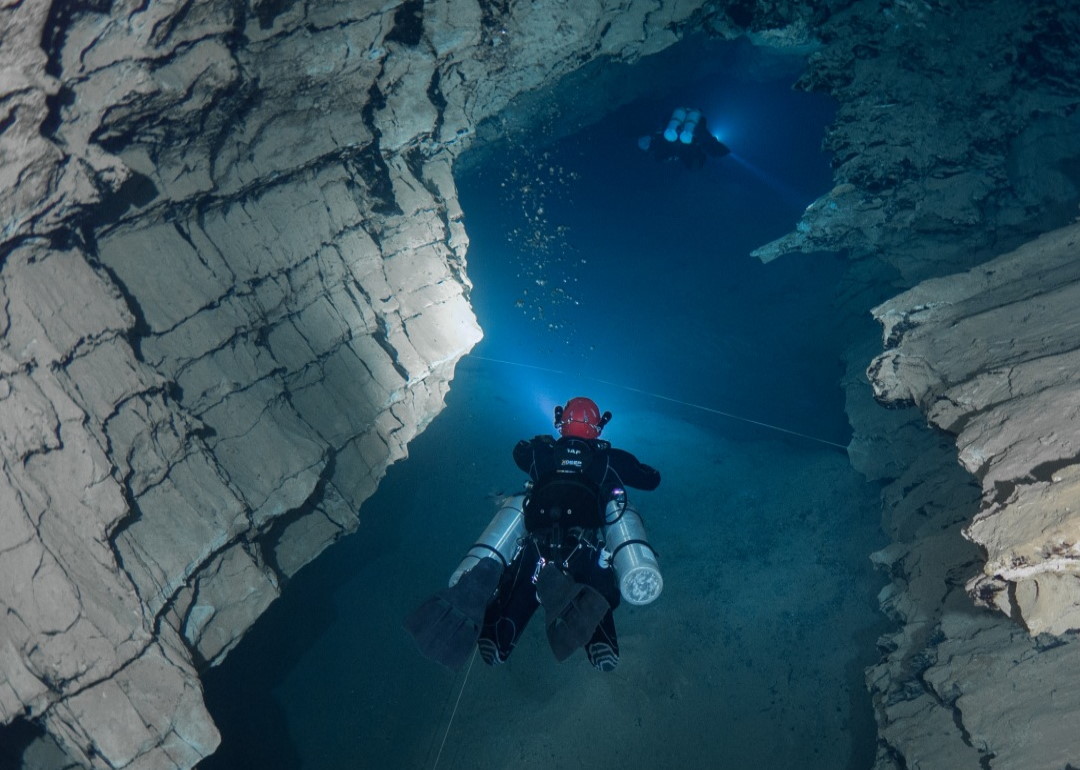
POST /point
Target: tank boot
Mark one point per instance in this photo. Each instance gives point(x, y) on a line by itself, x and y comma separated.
point(602, 656)
point(489, 652)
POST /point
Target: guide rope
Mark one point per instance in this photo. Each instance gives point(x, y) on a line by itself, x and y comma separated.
point(668, 398)
point(454, 712)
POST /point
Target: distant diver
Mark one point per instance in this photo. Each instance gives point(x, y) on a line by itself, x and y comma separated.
point(686, 138)
point(572, 544)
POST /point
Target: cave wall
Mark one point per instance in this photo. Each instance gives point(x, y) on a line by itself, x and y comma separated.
point(956, 149)
point(990, 356)
point(978, 354)
point(955, 137)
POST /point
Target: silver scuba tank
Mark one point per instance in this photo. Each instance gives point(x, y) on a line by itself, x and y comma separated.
point(686, 131)
point(671, 133)
point(634, 560)
point(499, 541)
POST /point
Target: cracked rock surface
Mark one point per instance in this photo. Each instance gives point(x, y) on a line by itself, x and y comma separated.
point(956, 149)
point(990, 355)
point(955, 138)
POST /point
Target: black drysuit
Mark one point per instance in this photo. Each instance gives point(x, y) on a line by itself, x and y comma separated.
point(576, 547)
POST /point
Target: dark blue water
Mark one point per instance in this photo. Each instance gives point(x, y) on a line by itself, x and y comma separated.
point(641, 274)
point(599, 272)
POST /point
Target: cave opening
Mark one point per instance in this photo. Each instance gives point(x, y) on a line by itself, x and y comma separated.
point(590, 257)
point(599, 271)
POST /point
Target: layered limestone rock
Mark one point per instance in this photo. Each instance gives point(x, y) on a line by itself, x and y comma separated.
point(956, 141)
point(991, 355)
point(234, 289)
point(957, 686)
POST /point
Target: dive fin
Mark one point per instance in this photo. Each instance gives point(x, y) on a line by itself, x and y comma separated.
point(447, 625)
point(573, 611)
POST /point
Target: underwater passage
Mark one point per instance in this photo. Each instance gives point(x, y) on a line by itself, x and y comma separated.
point(724, 575)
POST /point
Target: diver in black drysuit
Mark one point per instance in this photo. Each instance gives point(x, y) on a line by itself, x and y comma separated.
point(573, 479)
point(693, 155)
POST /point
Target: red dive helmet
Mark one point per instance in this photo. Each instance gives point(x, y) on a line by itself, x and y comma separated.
point(580, 418)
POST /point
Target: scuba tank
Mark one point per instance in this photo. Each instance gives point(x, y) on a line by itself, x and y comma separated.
point(634, 560)
point(686, 133)
point(499, 541)
point(671, 133)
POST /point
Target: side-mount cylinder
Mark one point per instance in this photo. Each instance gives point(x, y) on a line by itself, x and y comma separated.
point(632, 557)
point(686, 133)
point(671, 133)
point(499, 541)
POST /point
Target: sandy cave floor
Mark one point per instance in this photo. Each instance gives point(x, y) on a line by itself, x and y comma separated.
point(752, 657)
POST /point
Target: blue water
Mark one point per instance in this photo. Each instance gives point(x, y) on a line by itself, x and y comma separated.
point(643, 276)
point(599, 272)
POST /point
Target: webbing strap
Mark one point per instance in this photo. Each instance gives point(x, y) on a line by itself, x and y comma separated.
point(645, 543)
point(486, 547)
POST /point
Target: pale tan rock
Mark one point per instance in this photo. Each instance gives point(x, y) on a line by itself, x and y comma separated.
point(56, 302)
point(929, 737)
point(157, 265)
point(28, 421)
point(72, 616)
point(149, 713)
point(453, 27)
point(187, 517)
point(1002, 697)
point(41, 184)
point(229, 593)
point(987, 354)
point(312, 533)
point(1047, 602)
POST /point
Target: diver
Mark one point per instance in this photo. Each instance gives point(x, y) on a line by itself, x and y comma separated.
point(686, 138)
point(573, 545)
point(563, 565)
